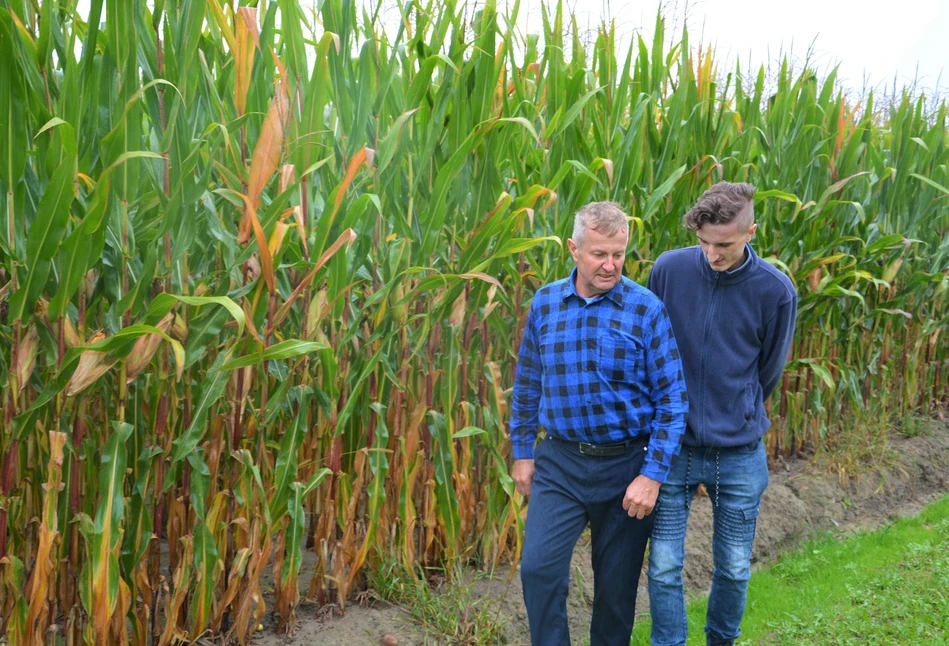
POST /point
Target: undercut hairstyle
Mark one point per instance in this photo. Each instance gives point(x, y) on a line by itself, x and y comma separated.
point(606, 218)
point(722, 204)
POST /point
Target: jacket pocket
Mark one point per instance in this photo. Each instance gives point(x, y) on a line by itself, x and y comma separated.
point(749, 401)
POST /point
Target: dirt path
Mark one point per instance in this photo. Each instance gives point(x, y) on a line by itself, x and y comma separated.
point(801, 500)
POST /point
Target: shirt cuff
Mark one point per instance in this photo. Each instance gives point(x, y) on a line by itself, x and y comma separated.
point(654, 470)
point(523, 451)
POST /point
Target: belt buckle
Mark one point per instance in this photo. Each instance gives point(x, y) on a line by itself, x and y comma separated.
point(586, 448)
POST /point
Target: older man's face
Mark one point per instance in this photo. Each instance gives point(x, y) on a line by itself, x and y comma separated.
point(599, 261)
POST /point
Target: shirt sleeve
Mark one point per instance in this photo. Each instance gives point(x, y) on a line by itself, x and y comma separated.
point(525, 401)
point(779, 334)
point(667, 391)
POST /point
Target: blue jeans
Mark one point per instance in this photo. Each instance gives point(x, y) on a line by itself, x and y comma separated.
point(735, 479)
point(569, 490)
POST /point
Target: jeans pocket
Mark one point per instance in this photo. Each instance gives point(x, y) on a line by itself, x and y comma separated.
point(751, 447)
point(750, 518)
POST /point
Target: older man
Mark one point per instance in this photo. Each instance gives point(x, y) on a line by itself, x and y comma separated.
point(599, 370)
point(733, 315)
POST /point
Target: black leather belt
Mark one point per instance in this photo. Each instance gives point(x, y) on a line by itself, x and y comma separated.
point(607, 450)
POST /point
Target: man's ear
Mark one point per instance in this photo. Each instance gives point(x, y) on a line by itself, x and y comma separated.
point(752, 229)
point(572, 246)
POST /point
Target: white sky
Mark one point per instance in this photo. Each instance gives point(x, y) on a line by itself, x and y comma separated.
point(871, 39)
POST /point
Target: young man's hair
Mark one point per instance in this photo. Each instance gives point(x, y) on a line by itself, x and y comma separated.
point(722, 204)
point(606, 218)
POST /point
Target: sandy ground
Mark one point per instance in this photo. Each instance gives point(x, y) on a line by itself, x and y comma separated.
point(803, 498)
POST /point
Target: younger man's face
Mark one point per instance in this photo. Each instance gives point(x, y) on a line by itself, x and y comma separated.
point(724, 244)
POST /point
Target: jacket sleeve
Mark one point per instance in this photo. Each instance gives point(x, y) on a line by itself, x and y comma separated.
point(525, 401)
point(668, 395)
point(654, 282)
point(779, 334)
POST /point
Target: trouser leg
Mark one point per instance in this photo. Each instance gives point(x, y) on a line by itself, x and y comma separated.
point(742, 480)
point(619, 544)
point(666, 559)
point(555, 519)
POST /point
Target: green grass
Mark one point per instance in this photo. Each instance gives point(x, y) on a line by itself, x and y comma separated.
point(883, 587)
point(444, 609)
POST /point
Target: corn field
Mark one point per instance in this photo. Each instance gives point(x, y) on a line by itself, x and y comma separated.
point(263, 272)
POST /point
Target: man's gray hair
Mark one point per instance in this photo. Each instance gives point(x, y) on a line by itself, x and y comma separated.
point(722, 204)
point(606, 218)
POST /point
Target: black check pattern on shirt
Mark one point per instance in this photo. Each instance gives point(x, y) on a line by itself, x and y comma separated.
point(602, 371)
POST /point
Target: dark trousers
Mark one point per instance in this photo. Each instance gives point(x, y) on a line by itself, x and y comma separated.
point(569, 490)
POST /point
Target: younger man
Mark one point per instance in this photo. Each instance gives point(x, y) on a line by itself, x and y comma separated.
point(733, 315)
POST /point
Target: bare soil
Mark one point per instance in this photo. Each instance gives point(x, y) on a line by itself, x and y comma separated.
point(803, 499)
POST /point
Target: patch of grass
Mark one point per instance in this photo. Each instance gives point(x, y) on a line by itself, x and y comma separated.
point(861, 446)
point(914, 425)
point(875, 588)
point(444, 608)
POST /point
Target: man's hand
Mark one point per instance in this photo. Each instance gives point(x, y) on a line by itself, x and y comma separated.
point(640, 498)
point(523, 475)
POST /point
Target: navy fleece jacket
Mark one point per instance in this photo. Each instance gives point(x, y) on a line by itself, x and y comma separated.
point(734, 330)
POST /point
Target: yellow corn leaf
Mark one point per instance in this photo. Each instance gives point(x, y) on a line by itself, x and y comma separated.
point(177, 598)
point(266, 156)
point(364, 156)
point(92, 365)
point(26, 358)
point(120, 634)
point(253, 268)
point(179, 329)
point(354, 560)
point(144, 349)
point(250, 606)
point(106, 543)
point(70, 335)
point(44, 572)
point(246, 40)
point(220, 20)
point(235, 577)
point(458, 310)
point(287, 177)
point(276, 238)
point(266, 260)
point(15, 608)
point(301, 228)
point(347, 237)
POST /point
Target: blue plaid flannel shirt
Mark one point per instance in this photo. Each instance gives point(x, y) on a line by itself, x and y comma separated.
point(603, 371)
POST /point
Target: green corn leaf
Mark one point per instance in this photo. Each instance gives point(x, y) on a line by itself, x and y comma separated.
point(283, 350)
point(13, 138)
point(44, 238)
point(285, 469)
point(211, 389)
point(163, 303)
point(468, 431)
point(444, 476)
point(926, 180)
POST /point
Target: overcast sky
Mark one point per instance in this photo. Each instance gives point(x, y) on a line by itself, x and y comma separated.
point(873, 40)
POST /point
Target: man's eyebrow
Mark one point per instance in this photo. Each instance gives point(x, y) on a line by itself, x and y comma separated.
point(718, 244)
